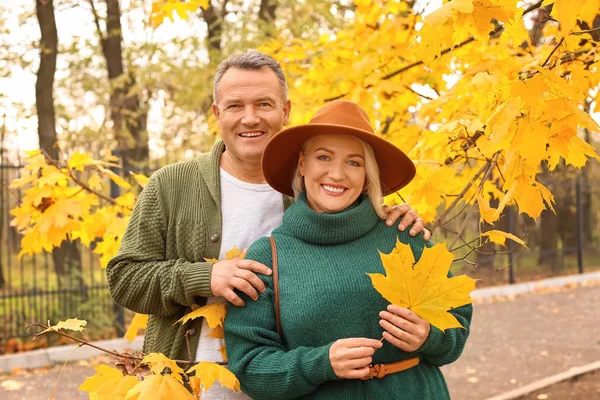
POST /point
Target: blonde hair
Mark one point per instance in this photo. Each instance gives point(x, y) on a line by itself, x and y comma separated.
point(372, 185)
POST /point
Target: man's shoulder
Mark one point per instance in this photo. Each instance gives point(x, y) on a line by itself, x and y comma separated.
point(181, 171)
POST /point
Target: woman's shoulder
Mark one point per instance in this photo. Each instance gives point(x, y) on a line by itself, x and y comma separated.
point(261, 251)
point(393, 234)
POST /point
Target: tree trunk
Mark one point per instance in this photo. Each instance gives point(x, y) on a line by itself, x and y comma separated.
point(2, 251)
point(127, 114)
point(44, 92)
point(214, 24)
point(68, 253)
point(548, 241)
point(267, 10)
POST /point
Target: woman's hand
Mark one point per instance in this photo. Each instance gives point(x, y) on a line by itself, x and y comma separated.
point(410, 216)
point(350, 358)
point(403, 328)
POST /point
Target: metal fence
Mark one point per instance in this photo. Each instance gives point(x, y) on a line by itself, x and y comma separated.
point(560, 243)
point(52, 286)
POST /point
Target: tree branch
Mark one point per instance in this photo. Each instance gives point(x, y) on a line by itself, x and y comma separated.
point(460, 195)
point(86, 343)
point(79, 182)
point(445, 51)
point(96, 20)
point(560, 42)
point(585, 31)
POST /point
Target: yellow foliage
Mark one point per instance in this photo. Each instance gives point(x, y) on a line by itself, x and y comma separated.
point(159, 387)
point(138, 322)
point(209, 372)
point(158, 362)
point(500, 237)
point(108, 384)
point(424, 287)
point(214, 313)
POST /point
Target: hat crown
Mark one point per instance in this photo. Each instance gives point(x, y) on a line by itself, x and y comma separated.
point(344, 113)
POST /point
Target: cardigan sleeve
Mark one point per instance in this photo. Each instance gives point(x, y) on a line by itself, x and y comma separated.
point(140, 277)
point(259, 358)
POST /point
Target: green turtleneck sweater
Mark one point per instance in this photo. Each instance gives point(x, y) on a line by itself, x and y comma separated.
point(326, 295)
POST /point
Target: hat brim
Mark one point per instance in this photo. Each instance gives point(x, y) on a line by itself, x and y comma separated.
point(280, 158)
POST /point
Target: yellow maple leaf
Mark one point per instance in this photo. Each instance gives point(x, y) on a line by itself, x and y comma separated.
point(529, 90)
point(141, 179)
point(139, 321)
point(108, 383)
point(158, 362)
point(95, 182)
point(223, 352)
point(566, 14)
point(217, 333)
point(233, 253)
point(78, 161)
point(515, 31)
point(127, 200)
point(115, 178)
point(72, 324)
point(159, 387)
point(423, 287)
point(214, 314)
point(196, 387)
point(487, 213)
point(500, 237)
point(209, 372)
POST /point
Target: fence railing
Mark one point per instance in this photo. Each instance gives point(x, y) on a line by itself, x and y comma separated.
point(66, 283)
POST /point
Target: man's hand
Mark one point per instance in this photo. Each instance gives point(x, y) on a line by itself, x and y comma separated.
point(404, 329)
point(228, 275)
point(410, 217)
point(350, 358)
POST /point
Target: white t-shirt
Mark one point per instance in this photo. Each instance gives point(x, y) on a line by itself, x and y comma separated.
point(250, 211)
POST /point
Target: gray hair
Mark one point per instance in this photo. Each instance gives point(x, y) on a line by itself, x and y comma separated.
point(250, 60)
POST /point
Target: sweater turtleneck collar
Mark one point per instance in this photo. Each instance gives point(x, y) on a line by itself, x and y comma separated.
point(329, 228)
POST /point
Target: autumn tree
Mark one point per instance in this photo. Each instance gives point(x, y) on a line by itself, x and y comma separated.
point(487, 110)
point(127, 110)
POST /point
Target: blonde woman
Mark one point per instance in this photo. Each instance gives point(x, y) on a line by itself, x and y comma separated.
point(331, 318)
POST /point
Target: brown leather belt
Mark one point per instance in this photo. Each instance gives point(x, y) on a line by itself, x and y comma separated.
point(380, 370)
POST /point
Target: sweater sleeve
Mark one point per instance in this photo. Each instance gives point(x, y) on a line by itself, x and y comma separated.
point(440, 347)
point(259, 358)
point(140, 277)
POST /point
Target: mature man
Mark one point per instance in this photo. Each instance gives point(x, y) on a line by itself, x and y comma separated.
point(200, 209)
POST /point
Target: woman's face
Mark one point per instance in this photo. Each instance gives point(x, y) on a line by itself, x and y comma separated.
point(333, 167)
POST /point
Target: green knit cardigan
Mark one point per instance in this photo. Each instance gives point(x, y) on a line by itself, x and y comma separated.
point(160, 268)
point(325, 295)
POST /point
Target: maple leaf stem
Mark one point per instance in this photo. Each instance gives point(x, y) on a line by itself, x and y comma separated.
point(61, 372)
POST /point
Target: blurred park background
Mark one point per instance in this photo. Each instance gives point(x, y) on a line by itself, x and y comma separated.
point(159, 79)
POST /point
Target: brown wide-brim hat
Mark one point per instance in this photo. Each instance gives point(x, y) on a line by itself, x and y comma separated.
point(280, 158)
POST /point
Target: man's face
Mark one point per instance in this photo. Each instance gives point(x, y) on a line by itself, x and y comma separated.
point(249, 110)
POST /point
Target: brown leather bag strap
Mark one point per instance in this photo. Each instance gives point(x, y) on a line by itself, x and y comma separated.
point(276, 284)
